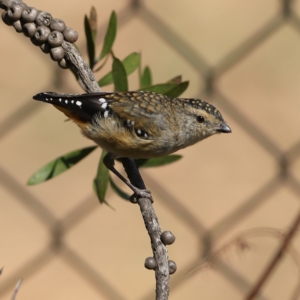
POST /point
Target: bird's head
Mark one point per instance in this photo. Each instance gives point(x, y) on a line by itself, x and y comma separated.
point(200, 120)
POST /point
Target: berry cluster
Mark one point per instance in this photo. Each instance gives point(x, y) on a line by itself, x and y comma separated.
point(167, 238)
point(44, 31)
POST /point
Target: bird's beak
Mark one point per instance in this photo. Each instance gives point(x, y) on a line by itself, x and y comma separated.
point(223, 127)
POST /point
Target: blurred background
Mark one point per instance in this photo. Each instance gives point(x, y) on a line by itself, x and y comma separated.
point(242, 56)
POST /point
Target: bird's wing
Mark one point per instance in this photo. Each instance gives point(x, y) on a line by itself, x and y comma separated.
point(85, 106)
point(141, 110)
point(145, 112)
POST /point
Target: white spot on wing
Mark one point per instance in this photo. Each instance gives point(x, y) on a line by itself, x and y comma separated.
point(59, 99)
point(79, 103)
point(72, 101)
point(66, 101)
point(102, 100)
point(104, 105)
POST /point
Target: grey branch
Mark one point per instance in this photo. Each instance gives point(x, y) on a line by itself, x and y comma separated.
point(88, 82)
point(160, 252)
point(80, 69)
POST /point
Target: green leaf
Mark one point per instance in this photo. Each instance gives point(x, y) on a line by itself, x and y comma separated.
point(146, 79)
point(89, 42)
point(157, 161)
point(170, 89)
point(119, 76)
point(59, 165)
point(162, 88)
point(42, 174)
point(110, 35)
point(178, 90)
point(101, 180)
point(130, 63)
point(118, 191)
point(106, 80)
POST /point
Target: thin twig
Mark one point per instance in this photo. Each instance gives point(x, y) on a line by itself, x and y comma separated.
point(160, 252)
point(17, 287)
point(274, 262)
point(80, 69)
point(88, 82)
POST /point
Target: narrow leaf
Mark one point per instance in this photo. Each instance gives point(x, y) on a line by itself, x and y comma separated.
point(101, 180)
point(146, 79)
point(42, 174)
point(178, 90)
point(118, 191)
point(162, 88)
point(110, 35)
point(119, 76)
point(89, 42)
point(93, 22)
point(176, 79)
point(106, 79)
point(130, 63)
point(157, 161)
point(59, 165)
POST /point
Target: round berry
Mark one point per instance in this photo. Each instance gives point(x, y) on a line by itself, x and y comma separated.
point(43, 18)
point(55, 38)
point(29, 14)
point(18, 26)
point(45, 47)
point(63, 64)
point(57, 25)
point(70, 35)
point(6, 19)
point(29, 29)
point(57, 53)
point(150, 263)
point(172, 267)
point(167, 237)
point(15, 12)
point(40, 36)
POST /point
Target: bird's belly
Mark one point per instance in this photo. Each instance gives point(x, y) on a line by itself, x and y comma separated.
point(134, 149)
point(127, 144)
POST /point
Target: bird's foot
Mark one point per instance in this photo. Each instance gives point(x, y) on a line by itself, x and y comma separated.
point(140, 193)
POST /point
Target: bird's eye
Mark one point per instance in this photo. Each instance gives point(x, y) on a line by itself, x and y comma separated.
point(200, 119)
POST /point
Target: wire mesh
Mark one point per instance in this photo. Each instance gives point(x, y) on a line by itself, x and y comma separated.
point(283, 157)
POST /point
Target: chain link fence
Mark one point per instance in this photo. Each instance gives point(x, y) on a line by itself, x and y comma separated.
point(279, 144)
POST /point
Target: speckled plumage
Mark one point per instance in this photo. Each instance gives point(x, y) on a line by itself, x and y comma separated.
point(139, 124)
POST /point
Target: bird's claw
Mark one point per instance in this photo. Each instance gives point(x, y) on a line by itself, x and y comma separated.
point(140, 193)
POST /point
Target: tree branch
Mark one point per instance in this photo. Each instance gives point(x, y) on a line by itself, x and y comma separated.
point(275, 260)
point(159, 250)
point(88, 82)
point(80, 69)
